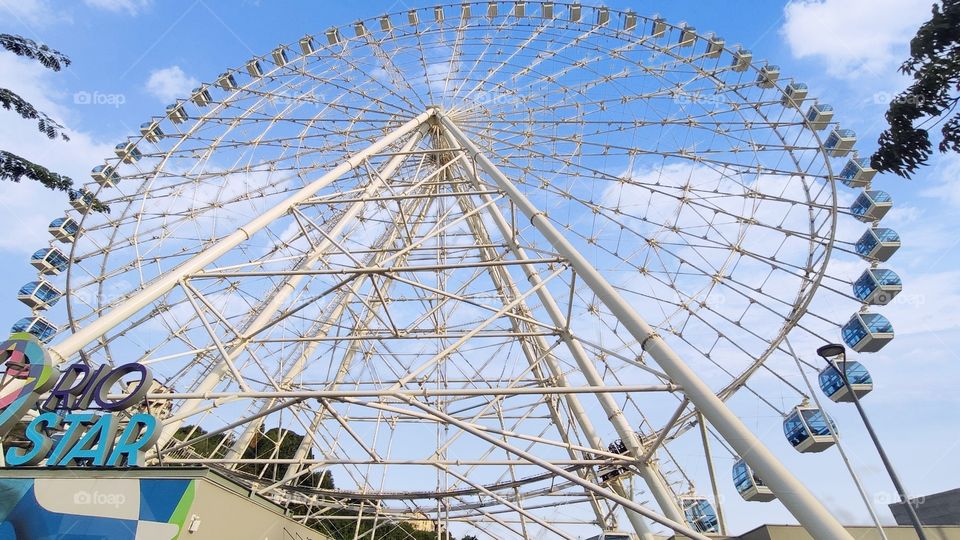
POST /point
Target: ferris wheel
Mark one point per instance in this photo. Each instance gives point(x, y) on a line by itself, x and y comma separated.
point(486, 265)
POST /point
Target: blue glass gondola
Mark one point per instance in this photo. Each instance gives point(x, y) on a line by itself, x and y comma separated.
point(38, 326)
point(878, 243)
point(833, 386)
point(749, 485)
point(105, 175)
point(128, 152)
point(819, 115)
point(807, 430)
point(877, 286)
point(699, 514)
point(176, 114)
point(857, 173)
point(39, 295)
point(871, 205)
point(867, 332)
point(794, 94)
point(49, 261)
point(741, 60)
point(64, 229)
point(151, 131)
point(840, 142)
point(201, 96)
point(767, 78)
point(83, 201)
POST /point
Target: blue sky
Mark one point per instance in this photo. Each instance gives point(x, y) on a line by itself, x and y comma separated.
point(132, 57)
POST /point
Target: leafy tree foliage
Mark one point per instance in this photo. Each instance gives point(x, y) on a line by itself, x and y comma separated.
point(13, 167)
point(935, 66)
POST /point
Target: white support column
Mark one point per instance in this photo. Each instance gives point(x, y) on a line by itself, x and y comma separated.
point(505, 284)
point(811, 514)
point(649, 470)
point(62, 351)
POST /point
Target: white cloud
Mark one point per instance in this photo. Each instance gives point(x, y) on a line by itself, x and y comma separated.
point(28, 207)
point(945, 180)
point(170, 83)
point(34, 12)
point(132, 7)
point(853, 37)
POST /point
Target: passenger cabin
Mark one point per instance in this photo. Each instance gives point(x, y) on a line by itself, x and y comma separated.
point(749, 485)
point(254, 69)
point(64, 229)
point(576, 12)
point(546, 10)
point(39, 295)
point(201, 96)
point(767, 78)
point(715, 46)
point(741, 60)
point(629, 21)
point(128, 152)
point(492, 10)
point(438, 14)
point(857, 173)
point(280, 54)
point(412, 17)
point(603, 16)
point(659, 26)
point(520, 10)
point(613, 535)
point(306, 42)
point(612, 471)
point(176, 114)
point(794, 94)
point(333, 35)
point(49, 261)
point(840, 142)
point(808, 429)
point(831, 382)
point(819, 116)
point(227, 81)
point(83, 201)
point(151, 131)
point(878, 243)
point(699, 514)
point(105, 175)
point(867, 332)
point(688, 35)
point(39, 327)
point(871, 206)
point(877, 286)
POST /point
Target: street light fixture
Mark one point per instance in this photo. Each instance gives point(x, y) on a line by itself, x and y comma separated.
point(836, 355)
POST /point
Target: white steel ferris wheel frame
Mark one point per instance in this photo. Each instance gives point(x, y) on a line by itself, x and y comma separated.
point(471, 161)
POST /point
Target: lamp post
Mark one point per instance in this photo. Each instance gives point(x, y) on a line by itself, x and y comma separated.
point(831, 353)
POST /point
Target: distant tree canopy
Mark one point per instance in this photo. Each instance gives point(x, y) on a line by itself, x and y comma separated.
point(932, 98)
point(13, 167)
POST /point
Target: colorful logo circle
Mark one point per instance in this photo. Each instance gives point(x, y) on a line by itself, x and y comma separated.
point(26, 374)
